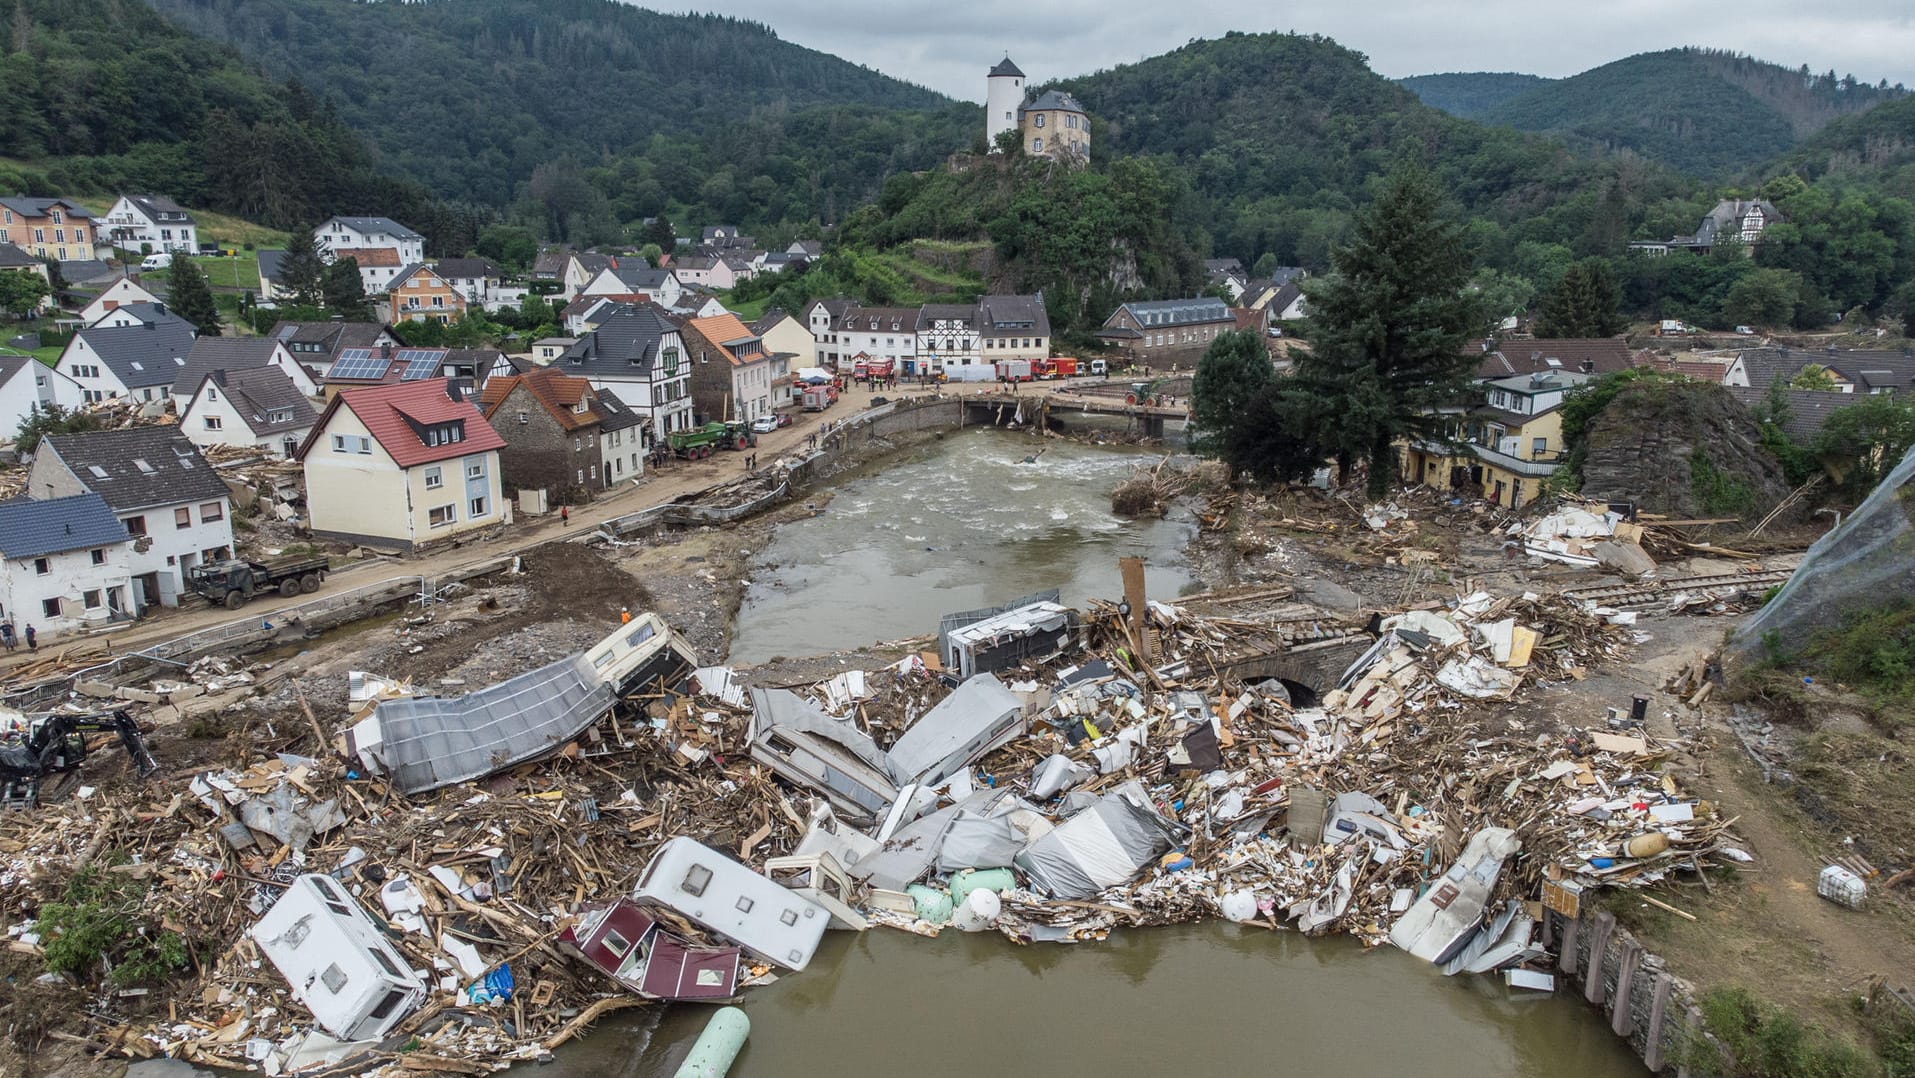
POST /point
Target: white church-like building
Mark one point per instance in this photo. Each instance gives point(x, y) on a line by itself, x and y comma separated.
point(1052, 125)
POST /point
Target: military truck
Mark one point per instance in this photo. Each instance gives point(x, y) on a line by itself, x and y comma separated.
point(234, 581)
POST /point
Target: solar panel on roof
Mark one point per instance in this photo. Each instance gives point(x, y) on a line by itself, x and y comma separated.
point(363, 365)
point(421, 368)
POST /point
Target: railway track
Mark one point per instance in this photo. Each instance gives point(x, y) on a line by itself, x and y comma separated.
point(1644, 594)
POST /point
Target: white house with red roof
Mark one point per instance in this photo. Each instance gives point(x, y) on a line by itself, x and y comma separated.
point(402, 465)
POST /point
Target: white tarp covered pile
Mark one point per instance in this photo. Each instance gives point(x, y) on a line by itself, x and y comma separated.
point(1102, 846)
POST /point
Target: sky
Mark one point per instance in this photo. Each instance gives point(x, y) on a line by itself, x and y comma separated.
point(949, 46)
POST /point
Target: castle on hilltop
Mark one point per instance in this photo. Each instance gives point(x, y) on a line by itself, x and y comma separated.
point(1052, 125)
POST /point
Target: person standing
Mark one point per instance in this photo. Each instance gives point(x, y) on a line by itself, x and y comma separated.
point(6, 635)
point(33, 639)
point(565, 516)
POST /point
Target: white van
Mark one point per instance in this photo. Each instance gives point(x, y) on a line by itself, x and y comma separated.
point(156, 261)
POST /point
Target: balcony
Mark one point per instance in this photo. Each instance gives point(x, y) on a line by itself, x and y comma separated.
point(1541, 466)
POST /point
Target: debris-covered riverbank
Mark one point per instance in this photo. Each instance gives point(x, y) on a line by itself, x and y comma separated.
point(1203, 782)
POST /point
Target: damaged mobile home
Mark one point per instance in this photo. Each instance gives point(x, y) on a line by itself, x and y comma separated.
point(427, 742)
point(704, 886)
point(627, 943)
point(1023, 630)
point(338, 963)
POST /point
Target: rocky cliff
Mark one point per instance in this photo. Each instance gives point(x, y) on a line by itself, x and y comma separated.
point(1686, 449)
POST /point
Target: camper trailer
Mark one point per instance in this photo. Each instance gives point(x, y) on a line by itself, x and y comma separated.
point(803, 745)
point(627, 944)
point(712, 890)
point(640, 652)
point(979, 716)
point(1006, 638)
point(339, 964)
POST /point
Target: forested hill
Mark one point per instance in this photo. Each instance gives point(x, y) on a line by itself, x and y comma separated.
point(103, 95)
point(471, 97)
point(1281, 134)
point(1875, 149)
point(1470, 94)
point(1704, 111)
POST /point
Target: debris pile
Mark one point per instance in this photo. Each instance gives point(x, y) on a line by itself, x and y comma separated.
point(1108, 768)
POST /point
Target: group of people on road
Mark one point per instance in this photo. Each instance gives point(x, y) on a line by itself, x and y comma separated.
point(7, 638)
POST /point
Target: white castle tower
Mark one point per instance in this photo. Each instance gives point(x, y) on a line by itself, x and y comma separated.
point(1003, 96)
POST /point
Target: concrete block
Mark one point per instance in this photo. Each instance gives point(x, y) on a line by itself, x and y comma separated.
point(97, 689)
point(186, 693)
point(140, 696)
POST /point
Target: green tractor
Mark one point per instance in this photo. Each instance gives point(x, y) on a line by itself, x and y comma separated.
point(699, 442)
point(1145, 393)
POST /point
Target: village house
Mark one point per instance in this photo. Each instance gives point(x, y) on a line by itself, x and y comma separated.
point(63, 565)
point(176, 508)
point(638, 356)
point(271, 261)
point(581, 268)
point(709, 270)
point(1166, 334)
point(553, 426)
point(731, 371)
point(26, 386)
point(947, 336)
point(338, 234)
point(138, 361)
point(724, 236)
point(1053, 125)
point(402, 465)
point(624, 439)
point(885, 334)
point(317, 345)
point(388, 364)
point(1228, 274)
point(13, 259)
point(378, 266)
point(1014, 327)
point(419, 294)
point(233, 354)
point(133, 314)
point(547, 349)
point(583, 315)
point(630, 280)
point(55, 228)
point(1850, 370)
point(122, 292)
point(1732, 220)
point(252, 408)
point(1506, 447)
point(477, 279)
point(1584, 355)
point(824, 317)
point(145, 224)
point(789, 344)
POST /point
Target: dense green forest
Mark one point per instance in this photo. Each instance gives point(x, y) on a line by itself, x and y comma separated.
point(1470, 94)
point(1702, 111)
point(713, 115)
point(1875, 150)
point(103, 95)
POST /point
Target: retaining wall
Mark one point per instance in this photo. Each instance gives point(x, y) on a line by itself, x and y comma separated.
point(1649, 1007)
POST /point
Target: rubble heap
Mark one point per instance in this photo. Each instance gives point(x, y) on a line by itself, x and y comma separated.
point(1125, 777)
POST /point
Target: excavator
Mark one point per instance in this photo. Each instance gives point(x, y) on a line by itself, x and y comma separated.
point(56, 744)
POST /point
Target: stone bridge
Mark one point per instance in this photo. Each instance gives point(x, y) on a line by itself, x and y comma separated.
point(1308, 671)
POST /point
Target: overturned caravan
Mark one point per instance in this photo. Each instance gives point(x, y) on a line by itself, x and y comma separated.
point(425, 742)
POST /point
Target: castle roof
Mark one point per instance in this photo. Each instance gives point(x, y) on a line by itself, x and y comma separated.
point(1006, 67)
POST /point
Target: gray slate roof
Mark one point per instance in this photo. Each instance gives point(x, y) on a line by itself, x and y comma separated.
point(640, 276)
point(30, 529)
point(1054, 99)
point(625, 344)
point(222, 354)
point(1180, 312)
point(467, 267)
point(159, 208)
point(269, 263)
point(1015, 316)
point(12, 257)
point(1872, 370)
point(174, 471)
point(1006, 67)
point(614, 414)
point(149, 354)
point(88, 271)
point(1808, 409)
point(40, 207)
point(257, 393)
point(376, 224)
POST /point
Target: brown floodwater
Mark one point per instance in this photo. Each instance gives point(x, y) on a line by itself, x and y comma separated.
point(1207, 999)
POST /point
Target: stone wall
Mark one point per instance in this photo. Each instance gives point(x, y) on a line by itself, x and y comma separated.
point(1651, 1008)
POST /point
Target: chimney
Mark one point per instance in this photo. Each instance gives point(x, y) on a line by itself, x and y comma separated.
point(1589, 366)
point(160, 307)
point(452, 391)
point(385, 350)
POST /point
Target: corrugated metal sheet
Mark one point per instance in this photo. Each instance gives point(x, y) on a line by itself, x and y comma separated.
point(424, 743)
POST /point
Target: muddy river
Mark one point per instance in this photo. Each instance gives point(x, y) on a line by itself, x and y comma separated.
point(965, 523)
point(1210, 999)
point(957, 524)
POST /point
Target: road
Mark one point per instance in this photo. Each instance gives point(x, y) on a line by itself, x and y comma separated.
point(659, 486)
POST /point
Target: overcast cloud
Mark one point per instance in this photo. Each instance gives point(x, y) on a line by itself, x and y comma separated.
point(948, 46)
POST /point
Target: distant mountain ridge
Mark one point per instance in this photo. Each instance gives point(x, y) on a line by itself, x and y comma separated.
point(1470, 94)
point(1704, 111)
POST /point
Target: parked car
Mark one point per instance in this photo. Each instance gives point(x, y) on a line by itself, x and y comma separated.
point(784, 419)
point(764, 424)
point(158, 260)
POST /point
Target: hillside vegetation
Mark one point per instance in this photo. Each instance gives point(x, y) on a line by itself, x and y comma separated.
point(1470, 94)
point(1699, 110)
point(1875, 149)
point(104, 95)
point(474, 98)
